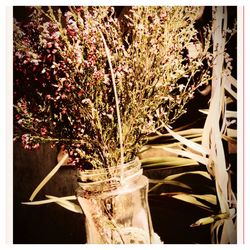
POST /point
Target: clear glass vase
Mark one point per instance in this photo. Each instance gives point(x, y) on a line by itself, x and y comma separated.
point(116, 209)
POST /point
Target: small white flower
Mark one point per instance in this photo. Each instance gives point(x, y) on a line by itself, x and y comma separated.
point(181, 87)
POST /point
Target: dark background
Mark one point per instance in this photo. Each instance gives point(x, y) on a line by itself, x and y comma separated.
point(53, 224)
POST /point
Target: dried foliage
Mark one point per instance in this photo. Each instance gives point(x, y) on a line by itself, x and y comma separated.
point(63, 90)
point(208, 146)
point(70, 68)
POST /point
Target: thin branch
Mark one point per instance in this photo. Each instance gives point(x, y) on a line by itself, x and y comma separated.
point(116, 103)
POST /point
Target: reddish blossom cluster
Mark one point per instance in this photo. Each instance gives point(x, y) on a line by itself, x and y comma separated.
point(28, 142)
point(63, 91)
point(60, 64)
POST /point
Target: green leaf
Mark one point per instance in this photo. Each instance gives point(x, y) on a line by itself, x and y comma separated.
point(213, 218)
point(195, 146)
point(171, 161)
point(211, 198)
point(67, 204)
point(184, 153)
point(48, 177)
point(228, 113)
point(167, 182)
point(55, 199)
point(192, 199)
point(203, 173)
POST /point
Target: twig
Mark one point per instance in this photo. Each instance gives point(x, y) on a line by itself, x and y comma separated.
point(116, 103)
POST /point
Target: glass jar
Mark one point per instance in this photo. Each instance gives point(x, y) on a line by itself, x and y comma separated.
point(116, 210)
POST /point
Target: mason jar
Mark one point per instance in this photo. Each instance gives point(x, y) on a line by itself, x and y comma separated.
point(115, 204)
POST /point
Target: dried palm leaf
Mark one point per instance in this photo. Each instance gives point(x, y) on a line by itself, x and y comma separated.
point(49, 176)
point(189, 198)
point(212, 219)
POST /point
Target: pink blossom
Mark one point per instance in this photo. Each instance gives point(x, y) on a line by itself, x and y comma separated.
point(27, 147)
point(36, 146)
point(43, 131)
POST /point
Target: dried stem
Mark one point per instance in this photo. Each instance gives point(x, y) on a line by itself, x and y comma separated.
point(116, 103)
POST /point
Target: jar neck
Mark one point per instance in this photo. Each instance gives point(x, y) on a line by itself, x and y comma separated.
point(103, 179)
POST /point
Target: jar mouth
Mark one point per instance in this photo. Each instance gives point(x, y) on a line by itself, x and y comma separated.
point(87, 178)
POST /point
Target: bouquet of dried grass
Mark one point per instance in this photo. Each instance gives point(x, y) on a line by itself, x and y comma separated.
point(84, 84)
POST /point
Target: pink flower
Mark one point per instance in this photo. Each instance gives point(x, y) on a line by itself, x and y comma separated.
point(36, 146)
point(64, 110)
point(80, 92)
point(25, 138)
point(43, 131)
point(27, 147)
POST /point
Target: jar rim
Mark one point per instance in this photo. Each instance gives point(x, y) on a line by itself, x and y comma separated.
point(113, 173)
point(97, 171)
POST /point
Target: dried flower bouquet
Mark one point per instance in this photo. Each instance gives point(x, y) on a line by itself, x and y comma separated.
point(98, 86)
